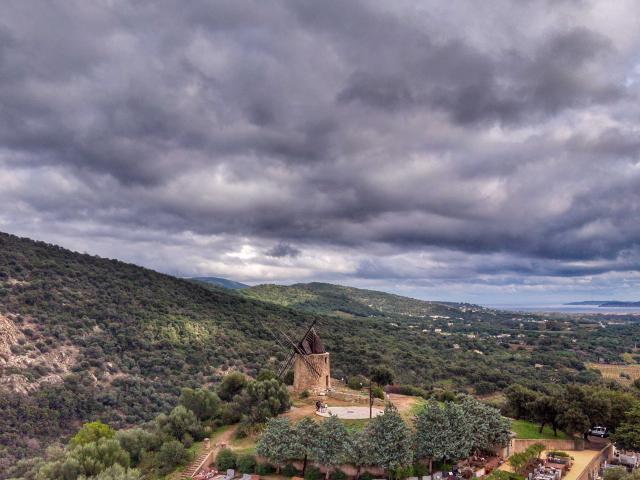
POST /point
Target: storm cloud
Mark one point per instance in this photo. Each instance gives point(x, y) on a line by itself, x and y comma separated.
point(446, 149)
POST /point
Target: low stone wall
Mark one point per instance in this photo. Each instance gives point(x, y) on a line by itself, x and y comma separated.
point(353, 397)
point(518, 445)
point(590, 472)
point(350, 470)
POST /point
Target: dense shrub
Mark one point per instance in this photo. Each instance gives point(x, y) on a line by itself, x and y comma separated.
point(171, 455)
point(226, 459)
point(263, 469)
point(289, 471)
point(313, 473)
point(338, 475)
point(356, 382)
point(246, 463)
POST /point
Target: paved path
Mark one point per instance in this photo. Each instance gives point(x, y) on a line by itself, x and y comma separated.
point(350, 413)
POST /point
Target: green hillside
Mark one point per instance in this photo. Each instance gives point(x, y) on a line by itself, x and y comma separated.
point(329, 299)
point(82, 337)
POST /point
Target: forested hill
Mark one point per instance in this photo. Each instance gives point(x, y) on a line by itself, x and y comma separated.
point(83, 337)
point(326, 298)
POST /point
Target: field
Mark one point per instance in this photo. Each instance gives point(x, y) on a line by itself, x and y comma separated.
point(615, 372)
point(524, 429)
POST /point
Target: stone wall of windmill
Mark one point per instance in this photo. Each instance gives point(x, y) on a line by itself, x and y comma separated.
point(304, 378)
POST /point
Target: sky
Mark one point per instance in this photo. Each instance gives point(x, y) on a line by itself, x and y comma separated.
point(455, 150)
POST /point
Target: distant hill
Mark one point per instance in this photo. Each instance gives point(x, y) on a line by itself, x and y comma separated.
point(221, 282)
point(607, 303)
point(330, 299)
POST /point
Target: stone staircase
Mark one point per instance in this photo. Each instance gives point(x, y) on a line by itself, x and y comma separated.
point(190, 471)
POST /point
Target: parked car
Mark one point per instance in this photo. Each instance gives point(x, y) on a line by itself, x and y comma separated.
point(601, 432)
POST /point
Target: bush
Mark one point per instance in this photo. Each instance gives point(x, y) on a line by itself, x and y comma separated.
point(557, 453)
point(304, 394)
point(313, 473)
point(289, 471)
point(338, 475)
point(226, 459)
point(377, 392)
point(231, 385)
point(171, 454)
point(356, 382)
point(264, 469)
point(366, 476)
point(615, 473)
point(246, 463)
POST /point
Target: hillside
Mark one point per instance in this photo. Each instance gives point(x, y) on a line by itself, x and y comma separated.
point(329, 299)
point(220, 282)
point(82, 337)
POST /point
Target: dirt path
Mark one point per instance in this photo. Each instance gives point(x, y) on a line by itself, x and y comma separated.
point(223, 439)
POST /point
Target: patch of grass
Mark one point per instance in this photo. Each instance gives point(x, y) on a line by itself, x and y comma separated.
point(355, 424)
point(416, 407)
point(525, 429)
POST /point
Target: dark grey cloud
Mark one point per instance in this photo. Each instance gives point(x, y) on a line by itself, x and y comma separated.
point(283, 250)
point(435, 143)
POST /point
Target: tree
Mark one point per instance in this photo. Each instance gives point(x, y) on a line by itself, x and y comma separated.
point(487, 426)
point(390, 440)
point(621, 404)
point(170, 455)
point(627, 435)
point(277, 443)
point(93, 458)
point(266, 374)
point(179, 423)
point(428, 435)
point(545, 410)
point(260, 401)
point(458, 436)
point(359, 451)
point(91, 432)
point(382, 375)
point(115, 472)
point(306, 433)
point(518, 400)
point(136, 441)
point(204, 403)
point(231, 385)
point(574, 421)
point(332, 444)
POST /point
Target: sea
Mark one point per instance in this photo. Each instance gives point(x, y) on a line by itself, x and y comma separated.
point(567, 309)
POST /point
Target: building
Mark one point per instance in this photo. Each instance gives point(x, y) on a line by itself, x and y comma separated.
point(311, 370)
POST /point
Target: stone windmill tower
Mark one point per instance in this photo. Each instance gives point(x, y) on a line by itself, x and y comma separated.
point(311, 366)
point(310, 360)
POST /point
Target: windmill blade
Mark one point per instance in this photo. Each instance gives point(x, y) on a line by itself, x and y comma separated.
point(296, 348)
point(286, 365)
point(302, 354)
point(308, 330)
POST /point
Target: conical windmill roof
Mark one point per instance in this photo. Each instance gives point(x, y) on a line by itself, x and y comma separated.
point(311, 343)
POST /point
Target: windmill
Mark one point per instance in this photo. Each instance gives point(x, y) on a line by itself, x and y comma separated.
point(308, 357)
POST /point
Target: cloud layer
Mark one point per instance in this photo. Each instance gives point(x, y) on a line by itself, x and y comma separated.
point(450, 149)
